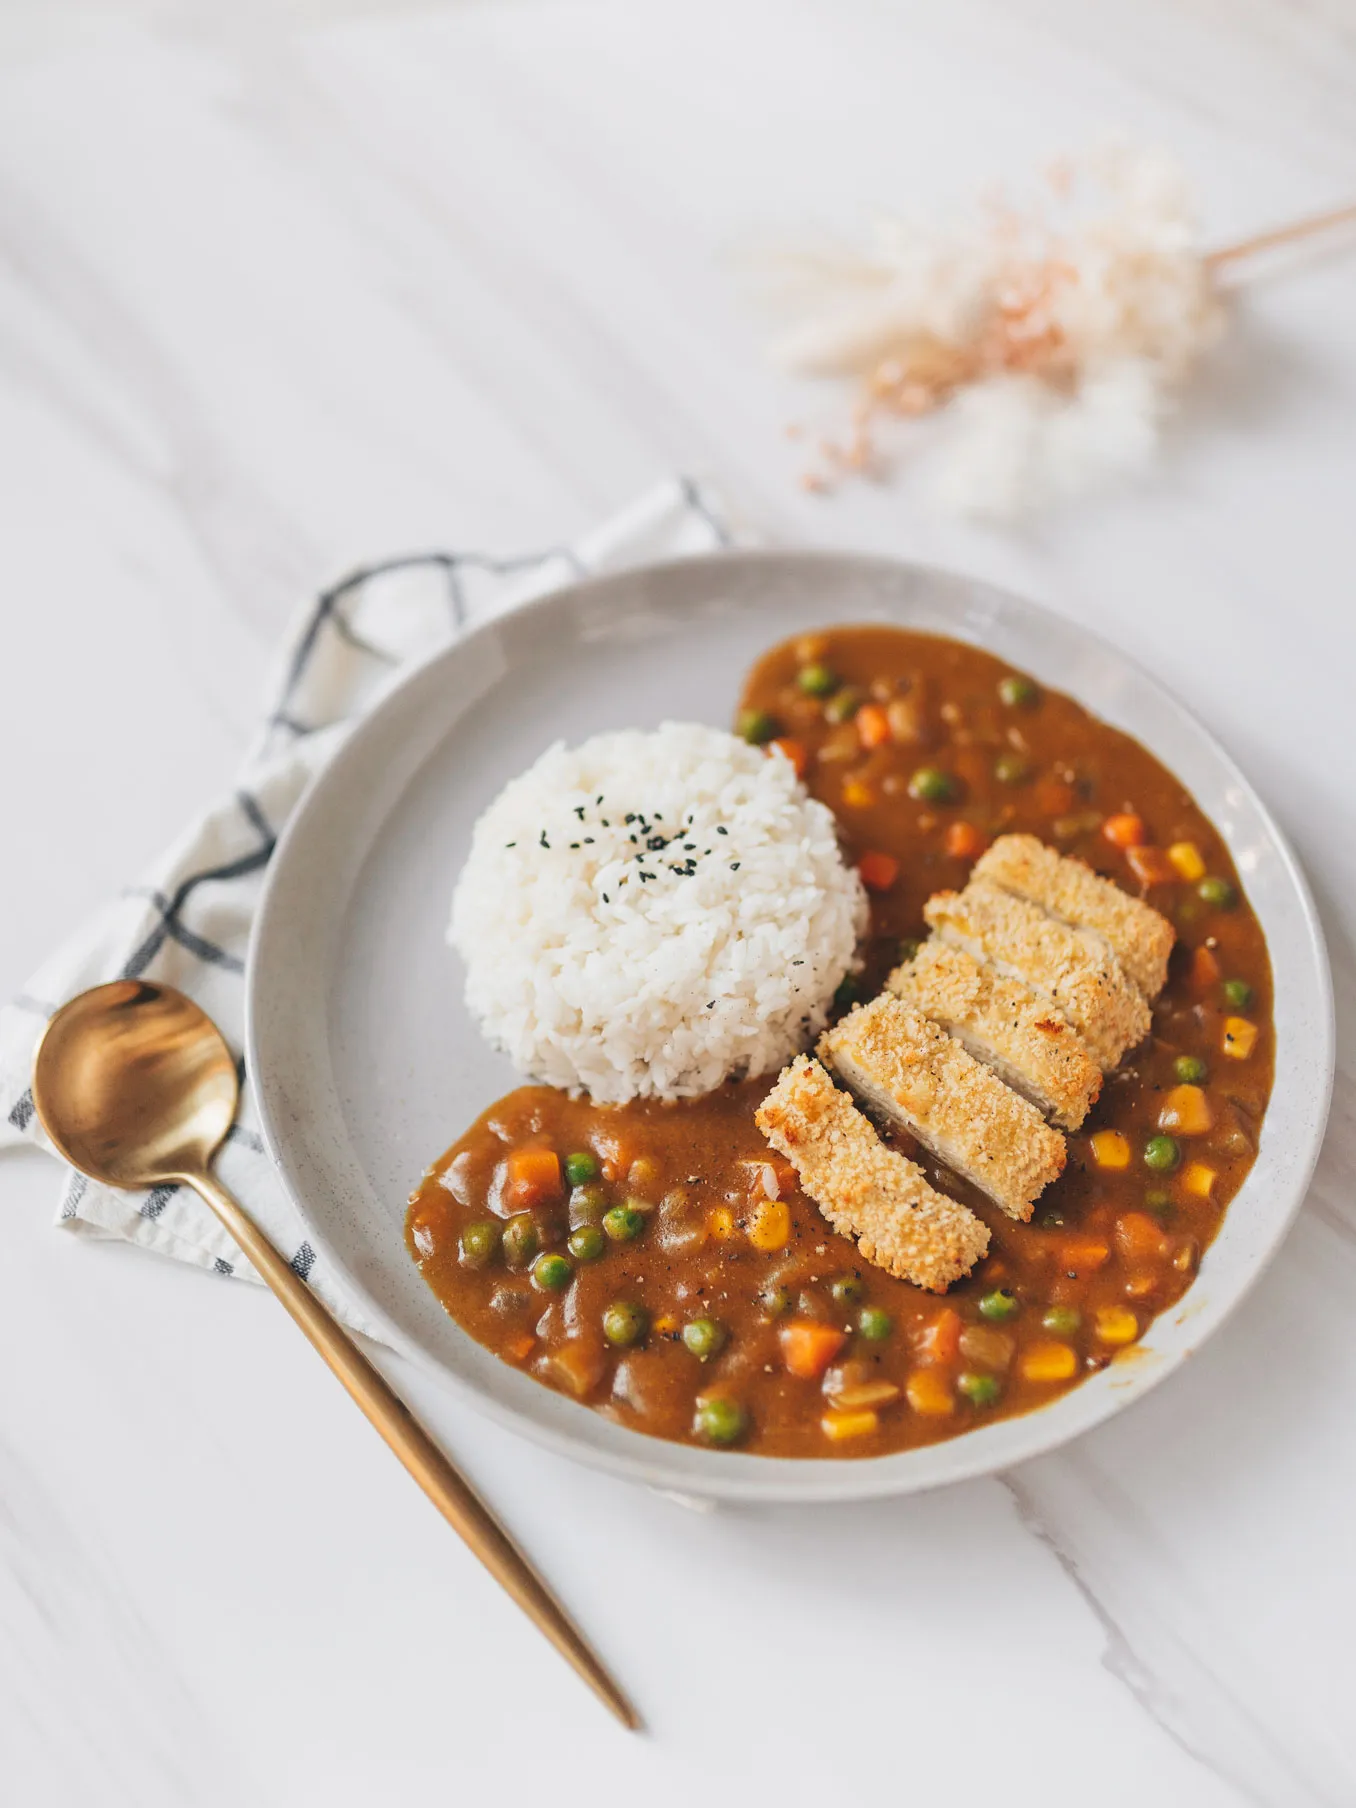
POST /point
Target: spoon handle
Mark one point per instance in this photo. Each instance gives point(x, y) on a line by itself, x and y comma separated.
point(464, 1511)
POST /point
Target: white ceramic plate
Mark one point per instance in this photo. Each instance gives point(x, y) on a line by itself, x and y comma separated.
point(367, 1065)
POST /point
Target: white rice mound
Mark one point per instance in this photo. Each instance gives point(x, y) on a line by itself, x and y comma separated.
point(719, 963)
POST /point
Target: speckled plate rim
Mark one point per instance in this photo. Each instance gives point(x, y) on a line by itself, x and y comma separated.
point(909, 595)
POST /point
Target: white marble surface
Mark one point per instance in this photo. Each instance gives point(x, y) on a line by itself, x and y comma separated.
point(287, 287)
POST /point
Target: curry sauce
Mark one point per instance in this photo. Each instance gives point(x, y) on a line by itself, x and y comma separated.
point(658, 1262)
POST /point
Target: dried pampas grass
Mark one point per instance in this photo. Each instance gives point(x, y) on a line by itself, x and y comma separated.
point(1054, 340)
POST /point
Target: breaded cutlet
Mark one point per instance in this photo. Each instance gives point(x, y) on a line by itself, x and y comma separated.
point(1139, 936)
point(865, 1190)
point(1022, 1036)
point(906, 1068)
point(1071, 967)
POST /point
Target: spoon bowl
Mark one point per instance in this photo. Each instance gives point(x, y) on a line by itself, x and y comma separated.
point(134, 1084)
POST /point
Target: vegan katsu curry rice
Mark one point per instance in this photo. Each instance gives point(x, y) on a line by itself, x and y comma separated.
point(895, 1057)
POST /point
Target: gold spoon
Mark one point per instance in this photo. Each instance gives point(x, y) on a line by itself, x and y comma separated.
point(136, 1088)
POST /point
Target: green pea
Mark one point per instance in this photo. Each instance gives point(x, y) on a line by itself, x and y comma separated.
point(720, 1421)
point(705, 1338)
point(843, 705)
point(1218, 893)
point(581, 1167)
point(908, 948)
point(587, 1243)
point(1062, 1320)
point(847, 1290)
point(979, 1390)
point(1238, 993)
point(587, 1204)
point(522, 1240)
point(998, 1305)
point(847, 994)
point(623, 1223)
point(1018, 692)
point(930, 785)
point(480, 1244)
point(1156, 1200)
point(875, 1324)
point(775, 1301)
point(625, 1323)
point(1011, 769)
point(816, 680)
point(1161, 1154)
point(757, 726)
point(551, 1273)
point(1190, 1070)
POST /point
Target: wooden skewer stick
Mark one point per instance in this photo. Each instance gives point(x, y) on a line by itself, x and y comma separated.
point(1280, 235)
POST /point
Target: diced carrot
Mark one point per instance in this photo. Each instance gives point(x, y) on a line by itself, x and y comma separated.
point(1054, 797)
point(795, 751)
point(939, 1338)
point(1205, 969)
point(1187, 861)
point(533, 1178)
point(928, 1394)
point(1048, 1362)
point(770, 1226)
point(664, 1325)
point(1139, 1238)
point(873, 725)
point(1185, 1111)
point(1239, 1037)
point(856, 795)
point(840, 1425)
point(520, 1348)
point(1150, 865)
point(1109, 1149)
point(879, 871)
point(964, 841)
point(808, 1348)
point(1084, 1255)
point(1198, 1179)
point(1125, 831)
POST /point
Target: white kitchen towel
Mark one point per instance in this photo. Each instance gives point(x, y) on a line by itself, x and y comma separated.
point(188, 920)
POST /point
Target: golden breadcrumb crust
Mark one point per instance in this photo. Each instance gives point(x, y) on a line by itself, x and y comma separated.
point(1138, 935)
point(865, 1190)
point(907, 1068)
point(1022, 1036)
point(1071, 967)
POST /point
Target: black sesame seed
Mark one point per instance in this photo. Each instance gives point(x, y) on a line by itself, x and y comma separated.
point(579, 811)
point(509, 844)
point(574, 844)
point(734, 866)
point(544, 842)
point(721, 829)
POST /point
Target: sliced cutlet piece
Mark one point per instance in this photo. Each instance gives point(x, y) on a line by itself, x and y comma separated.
point(1023, 1037)
point(865, 1190)
point(1070, 967)
point(902, 1065)
point(1139, 936)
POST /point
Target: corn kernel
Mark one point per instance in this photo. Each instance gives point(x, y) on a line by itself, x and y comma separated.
point(1186, 857)
point(840, 1425)
point(1197, 1179)
point(927, 1393)
point(1110, 1149)
point(1239, 1036)
point(858, 796)
point(1115, 1324)
point(1049, 1362)
point(721, 1223)
point(1186, 1111)
point(665, 1325)
point(770, 1226)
